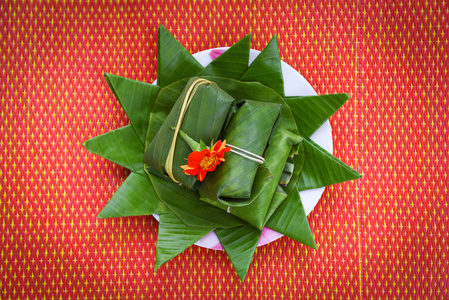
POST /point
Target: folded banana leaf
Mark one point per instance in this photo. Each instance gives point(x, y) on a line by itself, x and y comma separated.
point(265, 194)
point(249, 129)
point(203, 120)
point(268, 193)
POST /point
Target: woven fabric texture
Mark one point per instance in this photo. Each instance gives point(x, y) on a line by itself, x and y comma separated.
point(384, 236)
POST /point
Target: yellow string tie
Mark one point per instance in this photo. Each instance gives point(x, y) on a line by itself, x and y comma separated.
point(185, 105)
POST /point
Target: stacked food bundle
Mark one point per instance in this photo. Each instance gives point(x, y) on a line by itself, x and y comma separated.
point(218, 148)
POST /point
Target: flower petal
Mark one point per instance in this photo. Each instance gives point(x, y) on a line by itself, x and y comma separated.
point(191, 172)
point(222, 152)
point(201, 174)
point(196, 156)
point(201, 162)
point(220, 148)
point(217, 146)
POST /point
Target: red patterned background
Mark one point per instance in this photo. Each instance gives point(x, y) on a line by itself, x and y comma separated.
point(384, 236)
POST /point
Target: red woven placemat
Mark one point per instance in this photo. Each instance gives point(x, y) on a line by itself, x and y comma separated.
point(384, 236)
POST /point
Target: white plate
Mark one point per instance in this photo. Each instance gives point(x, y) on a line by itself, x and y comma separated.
point(294, 85)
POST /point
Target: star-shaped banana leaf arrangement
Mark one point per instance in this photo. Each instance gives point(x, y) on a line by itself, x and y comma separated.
point(249, 107)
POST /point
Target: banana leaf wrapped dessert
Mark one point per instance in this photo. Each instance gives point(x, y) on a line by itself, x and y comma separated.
point(248, 131)
point(218, 148)
point(200, 111)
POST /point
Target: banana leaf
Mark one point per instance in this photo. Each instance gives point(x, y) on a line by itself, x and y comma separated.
point(137, 99)
point(124, 146)
point(287, 173)
point(322, 168)
point(232, 63)
point(311, 112)
point(298, 162)
point(203, 120)
point(174, 62)
point(164, 104)
point(264, 191)
point(281, 192)
point(174, 237)
point(135, 197)
point(240, 243)
point(250, 128)
point(266, 68)
point(291, 220)
point(121, 146)
point(278, 197)
point(187, 206)
point(284, 137)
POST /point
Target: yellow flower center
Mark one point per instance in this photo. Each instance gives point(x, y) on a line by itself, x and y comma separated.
point(207, 162)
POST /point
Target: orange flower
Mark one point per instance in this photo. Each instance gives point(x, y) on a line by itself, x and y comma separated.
point(201, 162)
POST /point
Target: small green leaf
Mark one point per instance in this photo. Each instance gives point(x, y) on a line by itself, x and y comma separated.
point(291, 220)
point(232, 63)
point(202, 145)
point(121, 146)
point(174, 237)
point(240, 243)
point(311, 112)
point(189, 209)
point(174, 62)
point(136, 98)
point(194, 145)
point(135, 197)
point(266, 68)
point(322, 168)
